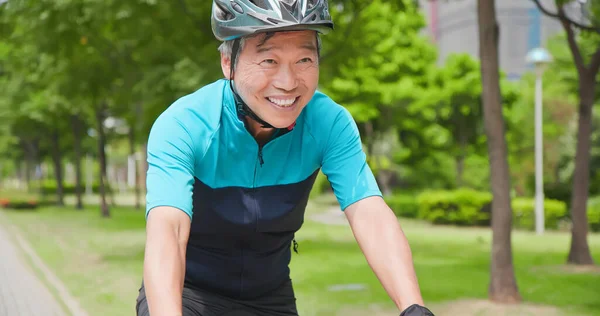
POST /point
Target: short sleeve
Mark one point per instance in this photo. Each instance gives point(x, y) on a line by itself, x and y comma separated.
point(345, 164)
point(170, 175)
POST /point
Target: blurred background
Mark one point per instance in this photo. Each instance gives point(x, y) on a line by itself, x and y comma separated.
point(83, 81)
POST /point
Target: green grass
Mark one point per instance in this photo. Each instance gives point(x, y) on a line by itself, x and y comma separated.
point(100, 261)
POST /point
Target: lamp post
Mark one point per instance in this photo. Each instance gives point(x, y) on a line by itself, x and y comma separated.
point(539, 57)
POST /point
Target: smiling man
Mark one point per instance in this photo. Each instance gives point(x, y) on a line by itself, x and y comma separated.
point(231, 166)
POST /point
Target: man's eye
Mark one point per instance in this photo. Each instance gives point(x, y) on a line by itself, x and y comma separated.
point(305, 60)
point(269, 61)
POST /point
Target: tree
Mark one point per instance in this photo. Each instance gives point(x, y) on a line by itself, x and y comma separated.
point(587, 71)
point(377, 67)
point(503, 284)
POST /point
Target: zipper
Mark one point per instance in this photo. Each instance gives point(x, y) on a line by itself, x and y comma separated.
point(261, 162)
point(260, 150)
point(260, 156)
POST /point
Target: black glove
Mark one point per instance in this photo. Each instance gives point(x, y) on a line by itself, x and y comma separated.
point(416, 310)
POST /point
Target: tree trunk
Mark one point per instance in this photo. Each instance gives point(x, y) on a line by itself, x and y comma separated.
point(102, 160)
point(503, 285)
point(20, 174)
point(77, 131)
point(107, 183)
point(30, 151)
point(143, 167)
point(132, 153)
point(27, 172)
point(383, 178)
point(28, 166)
point(34, 159)
point(579, 252)
point(58, 172)
point(369, 139)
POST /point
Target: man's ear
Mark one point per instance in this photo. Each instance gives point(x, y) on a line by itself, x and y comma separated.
point(226, 66)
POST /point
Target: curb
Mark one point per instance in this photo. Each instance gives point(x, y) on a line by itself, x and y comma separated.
point(72, 305)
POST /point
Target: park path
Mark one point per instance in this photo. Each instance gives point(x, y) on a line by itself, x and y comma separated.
point(21, 291)
point(332, 215)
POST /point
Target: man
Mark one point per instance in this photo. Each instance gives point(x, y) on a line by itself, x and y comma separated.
point(232, 164)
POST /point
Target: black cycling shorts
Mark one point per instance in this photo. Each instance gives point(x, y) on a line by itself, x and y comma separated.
point(197, 302)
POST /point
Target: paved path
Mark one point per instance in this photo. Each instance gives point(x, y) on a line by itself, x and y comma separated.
point(332, 216)
point(21, 292)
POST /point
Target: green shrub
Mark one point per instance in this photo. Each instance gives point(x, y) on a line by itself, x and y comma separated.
point(18, 204)
point(593, 213)
point(403, 205)
point(524, 213)
point(49, 188)
point(458, 207)
point(467, 207)
point(558, 191)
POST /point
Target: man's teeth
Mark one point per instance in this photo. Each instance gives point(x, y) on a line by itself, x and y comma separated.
point(283, 102)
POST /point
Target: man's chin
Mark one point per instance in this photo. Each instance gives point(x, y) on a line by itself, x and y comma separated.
point(279, 122)
point(282, 125)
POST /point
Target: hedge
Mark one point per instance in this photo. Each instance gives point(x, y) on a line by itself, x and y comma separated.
point(49, 188)
point(403, 205)
point(524, 213)
point(464, 207)
point(467, 207)
point(18, 204)
point(593, 213)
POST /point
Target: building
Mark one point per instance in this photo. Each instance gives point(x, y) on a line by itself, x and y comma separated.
point(452, 24)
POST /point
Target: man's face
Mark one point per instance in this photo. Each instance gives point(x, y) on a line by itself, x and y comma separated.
point(277, 77)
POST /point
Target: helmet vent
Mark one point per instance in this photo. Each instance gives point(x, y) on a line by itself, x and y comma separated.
point(261, 4)
point(222, 13)
point(273, 21)
point(237, 7)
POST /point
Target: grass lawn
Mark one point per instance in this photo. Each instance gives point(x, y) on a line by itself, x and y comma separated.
point(100, 261)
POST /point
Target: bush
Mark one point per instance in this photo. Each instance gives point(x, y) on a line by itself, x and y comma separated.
point(524, 213)
point(403, 205)
point(17, 204)
point(558, 191)
point(465, 207)
point(49, 188)
point(593, 213)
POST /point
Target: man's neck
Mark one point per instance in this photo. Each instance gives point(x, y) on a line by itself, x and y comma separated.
point(259, 133)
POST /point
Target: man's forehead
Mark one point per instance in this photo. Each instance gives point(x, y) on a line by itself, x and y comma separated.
point(270, 41)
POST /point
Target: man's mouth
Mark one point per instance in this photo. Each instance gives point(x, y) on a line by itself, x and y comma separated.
point(283, 102)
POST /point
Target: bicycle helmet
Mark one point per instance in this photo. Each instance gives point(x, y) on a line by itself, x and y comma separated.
point(231, 19)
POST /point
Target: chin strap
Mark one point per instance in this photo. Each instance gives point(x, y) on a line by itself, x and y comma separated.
point(242, 108)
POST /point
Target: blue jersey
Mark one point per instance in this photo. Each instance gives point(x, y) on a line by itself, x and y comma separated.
point(247, 201)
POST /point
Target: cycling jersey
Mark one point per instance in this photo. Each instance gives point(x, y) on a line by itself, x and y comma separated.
point(247, 201)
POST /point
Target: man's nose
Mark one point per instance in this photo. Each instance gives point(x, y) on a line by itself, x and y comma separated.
point(286, 78)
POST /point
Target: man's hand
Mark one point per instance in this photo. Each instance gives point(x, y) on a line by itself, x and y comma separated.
point(386, 249)
point(416, 310)
point(167, 232)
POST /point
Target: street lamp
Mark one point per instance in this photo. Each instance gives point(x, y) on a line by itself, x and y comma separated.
point(539, 57)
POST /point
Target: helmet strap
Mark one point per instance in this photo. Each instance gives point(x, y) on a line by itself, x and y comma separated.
point(242, 107)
